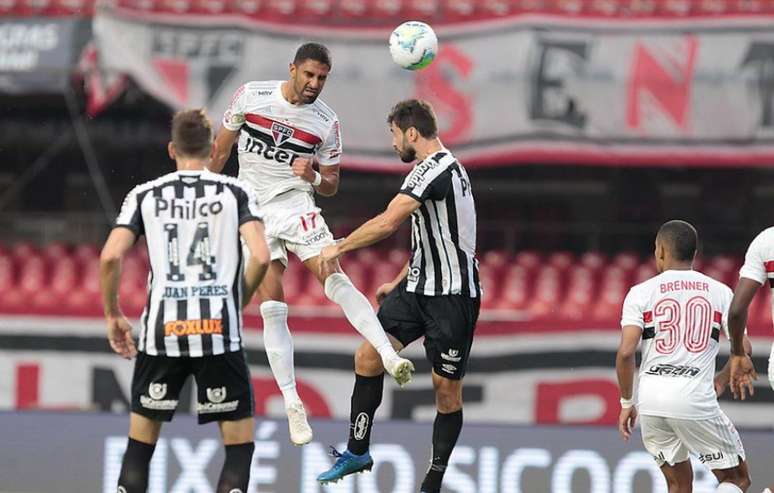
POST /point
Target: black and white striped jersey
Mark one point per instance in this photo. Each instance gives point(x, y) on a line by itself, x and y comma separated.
point(443, 228)
point(191, 222)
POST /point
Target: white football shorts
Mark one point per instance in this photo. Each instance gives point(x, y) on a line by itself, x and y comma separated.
point(714, 441)
point(292, 222)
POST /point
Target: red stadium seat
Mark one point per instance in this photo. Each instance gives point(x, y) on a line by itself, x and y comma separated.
point(626, 260)
point(527, 259)
point(560, 260)
point(592, 260)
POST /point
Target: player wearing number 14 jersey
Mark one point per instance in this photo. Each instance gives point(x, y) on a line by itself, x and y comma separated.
point(679, 316)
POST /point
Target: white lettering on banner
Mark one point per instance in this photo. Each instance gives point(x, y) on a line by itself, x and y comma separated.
point(114, 455)
point(194, 464)
point(20, 61)
point(515, 464)
point(595, 464)
point(402, 464)
point(456, 479)
point(39, 37)
point(488, 461)
point(262, 473)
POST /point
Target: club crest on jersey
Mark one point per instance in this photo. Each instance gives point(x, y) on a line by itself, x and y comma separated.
point(281, 133)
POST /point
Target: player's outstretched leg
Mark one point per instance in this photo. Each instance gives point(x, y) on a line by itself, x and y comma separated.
point(357, 309)
point(279, 350)
point(366, 397)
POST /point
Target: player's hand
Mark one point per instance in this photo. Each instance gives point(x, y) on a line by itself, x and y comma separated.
point(626, 421)
point(743, 376)
point(328, 255)
point(302, 167)
point(383, 291)
point(119, 332)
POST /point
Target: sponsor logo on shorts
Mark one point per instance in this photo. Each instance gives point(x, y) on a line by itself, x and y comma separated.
point(665, 370)
point(711, 457)
point(448, 368)
point(216, 396)
point(157, 391)
point(315, 237)
point(413, 274)
point(361, 426)
point(154, 399)
point(660, 457)
point(182, 328)
point(452, 355)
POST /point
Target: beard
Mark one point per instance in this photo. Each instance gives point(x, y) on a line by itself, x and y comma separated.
point(408, 154)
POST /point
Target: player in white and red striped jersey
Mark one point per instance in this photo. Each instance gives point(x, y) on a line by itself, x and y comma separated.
point(757, 271)
point(282, 130)
point(679, 315)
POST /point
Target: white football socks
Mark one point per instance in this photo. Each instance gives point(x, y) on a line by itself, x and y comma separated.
point(728, 488)
point(279, 348)
point(357, 309)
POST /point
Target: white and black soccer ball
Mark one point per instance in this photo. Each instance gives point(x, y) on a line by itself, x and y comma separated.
point(413, 45)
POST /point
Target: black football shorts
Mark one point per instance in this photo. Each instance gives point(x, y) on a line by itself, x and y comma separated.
point(224, 390)
point(447, 322)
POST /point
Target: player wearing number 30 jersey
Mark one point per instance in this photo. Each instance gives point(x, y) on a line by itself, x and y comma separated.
point(679, 316)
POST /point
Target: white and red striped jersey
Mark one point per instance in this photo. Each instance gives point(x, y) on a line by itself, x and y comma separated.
point(273, 132)
point(759, 260)
point(681, 314)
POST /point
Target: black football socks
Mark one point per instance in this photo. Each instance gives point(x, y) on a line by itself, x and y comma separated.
point(366, 397)
point(446, 430)
point(134, 469)
point(235, 474)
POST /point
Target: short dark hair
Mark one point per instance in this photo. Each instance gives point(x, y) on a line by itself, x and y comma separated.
point(192, 133)
point(680, 237)
point(414, 113)
point(313, 51)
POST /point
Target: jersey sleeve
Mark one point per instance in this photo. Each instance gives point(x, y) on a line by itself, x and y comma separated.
point(633, 312)
point(755, 260)
point(234, 117)
point(247, 204)
point(329, 153)
point(131, 215)
point(427, 184)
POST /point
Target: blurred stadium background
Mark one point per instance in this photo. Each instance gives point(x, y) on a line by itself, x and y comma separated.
point(584, 125)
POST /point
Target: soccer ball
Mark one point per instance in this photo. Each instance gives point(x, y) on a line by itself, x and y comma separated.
point(413, 45)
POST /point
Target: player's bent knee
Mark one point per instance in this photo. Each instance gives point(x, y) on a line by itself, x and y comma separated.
point(367, 360)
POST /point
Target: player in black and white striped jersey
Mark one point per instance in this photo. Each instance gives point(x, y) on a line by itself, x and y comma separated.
point(192, 323)
point(436, 295)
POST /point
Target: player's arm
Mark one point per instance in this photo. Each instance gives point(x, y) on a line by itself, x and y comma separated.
point(625, 367)
point(376, 229)
point(741, 372)
point(224, 142)
point(325, 182)
point(258, 263)
point(118, 243)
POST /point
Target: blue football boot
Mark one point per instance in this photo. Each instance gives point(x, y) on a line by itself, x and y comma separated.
point(346, 464)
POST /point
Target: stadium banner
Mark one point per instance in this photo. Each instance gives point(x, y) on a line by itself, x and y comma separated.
point(524, 89)
point(516, 378)
point(487, 458)
point(37, 54)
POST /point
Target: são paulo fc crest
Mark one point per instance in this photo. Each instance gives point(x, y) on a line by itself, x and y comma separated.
point(216, 395)
point(157, 391)
point(281, 133)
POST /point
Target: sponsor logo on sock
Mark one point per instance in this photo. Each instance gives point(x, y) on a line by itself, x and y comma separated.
point(361, 426)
